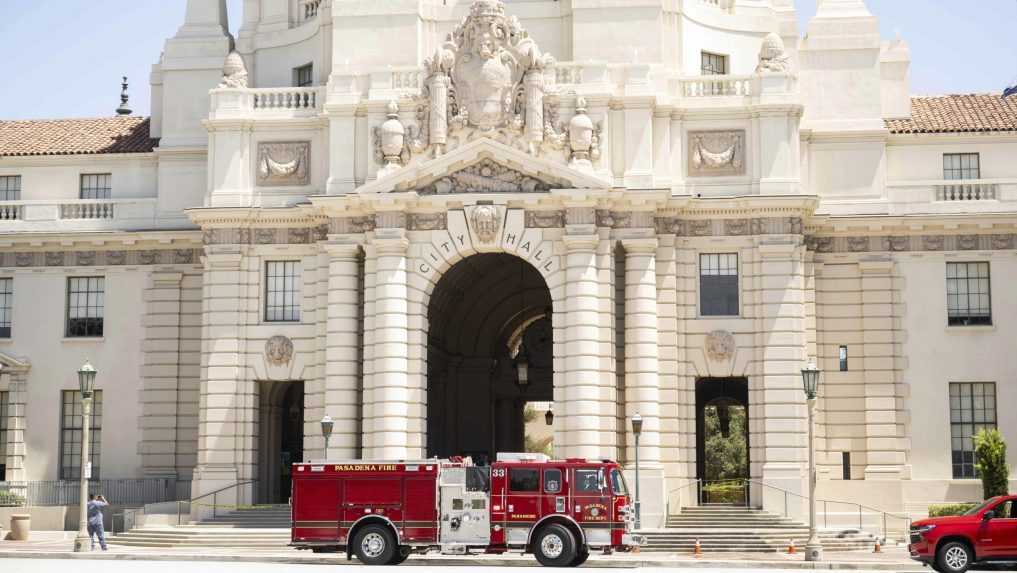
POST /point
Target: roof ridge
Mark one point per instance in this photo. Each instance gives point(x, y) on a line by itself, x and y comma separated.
point(61, 119)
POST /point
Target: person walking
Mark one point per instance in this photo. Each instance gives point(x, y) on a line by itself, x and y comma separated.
point(95, 507)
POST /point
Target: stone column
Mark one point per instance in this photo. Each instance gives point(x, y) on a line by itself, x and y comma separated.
point(343, 350)
point(581, 397)
point(17, 402)
point(388, 424)
point(160, 375)
point(228, 401)
point(642, 378)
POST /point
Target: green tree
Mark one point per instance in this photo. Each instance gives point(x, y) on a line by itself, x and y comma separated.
point(990, 462)
point(726, 456)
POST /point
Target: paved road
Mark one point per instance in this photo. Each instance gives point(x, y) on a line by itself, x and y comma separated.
point(14, 565)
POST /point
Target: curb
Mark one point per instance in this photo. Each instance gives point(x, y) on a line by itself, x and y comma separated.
point(479, 560)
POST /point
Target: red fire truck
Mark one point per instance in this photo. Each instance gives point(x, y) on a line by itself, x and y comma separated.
point(383, 512)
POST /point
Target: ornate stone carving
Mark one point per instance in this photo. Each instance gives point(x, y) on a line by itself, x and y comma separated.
point(486, 222)
point(933, 242)
point(234, 71)
point(700, 228)
point(391, 146)
point(487, 80)
point(489, 177)
point(85, 258)
point(858, 244)
point(967, 242)
point(116, 258)
point(1002, 242)
point(55, 258)
point(720, 346)
point(427, 222)
point(284, 163)
point(716, 153)
point(545, 219)
point(279, 350)
point(899, 243)
point(584, 138)
point(24, 259)
point(772, 55)
point(737, 227)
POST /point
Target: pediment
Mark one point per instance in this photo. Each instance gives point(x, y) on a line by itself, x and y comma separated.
point(484, 166)
point(10, 363)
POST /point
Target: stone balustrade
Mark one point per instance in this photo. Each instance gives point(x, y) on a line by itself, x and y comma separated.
point(10, 211)
point(75, 214)
point(299, 99)
point(718, 86)
point(95, 210)
point(967, 191)
point(309, 9)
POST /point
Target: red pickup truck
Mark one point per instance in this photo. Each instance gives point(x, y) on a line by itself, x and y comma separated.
point(986, 533)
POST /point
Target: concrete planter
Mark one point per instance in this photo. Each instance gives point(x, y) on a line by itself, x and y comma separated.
point(21, 527)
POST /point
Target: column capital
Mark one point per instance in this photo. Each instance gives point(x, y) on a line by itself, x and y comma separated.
point(644, 246)
point(342, 250)
point(581, 242)
point(390, 245)
point(164, 279)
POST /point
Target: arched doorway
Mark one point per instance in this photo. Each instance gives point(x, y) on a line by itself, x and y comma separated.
point(280, 438)
point(488, 314)
point(722, 440)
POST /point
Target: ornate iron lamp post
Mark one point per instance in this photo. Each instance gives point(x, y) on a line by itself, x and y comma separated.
point(637, 429)
point(86, 383)
point(326, 430)
point(810, 383)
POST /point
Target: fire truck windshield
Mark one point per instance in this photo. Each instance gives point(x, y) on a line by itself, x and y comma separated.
point(478, 478)
point(618, 482)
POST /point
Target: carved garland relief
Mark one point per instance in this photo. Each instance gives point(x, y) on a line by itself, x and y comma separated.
point(284, 164)
point(716, 153)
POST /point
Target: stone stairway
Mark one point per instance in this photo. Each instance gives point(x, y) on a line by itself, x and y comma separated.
point(254, 528)
point(721, 528)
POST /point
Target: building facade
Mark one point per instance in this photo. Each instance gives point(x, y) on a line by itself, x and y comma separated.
point(419, 217)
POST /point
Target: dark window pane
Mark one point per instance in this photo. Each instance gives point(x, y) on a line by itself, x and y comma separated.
point(588, 481)
point(969, 297)
point(521, 479)
point(10, 188)
point(85, 306)
point(969, 401)
point(282, 291)
point(552, 481)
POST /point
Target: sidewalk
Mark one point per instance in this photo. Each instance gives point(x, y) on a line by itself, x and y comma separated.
point(59, 545)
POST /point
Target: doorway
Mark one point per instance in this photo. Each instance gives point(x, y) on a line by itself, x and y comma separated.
point(722, 440)
point(280, 438)
point(489, 358)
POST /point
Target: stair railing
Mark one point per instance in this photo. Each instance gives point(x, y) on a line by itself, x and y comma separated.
point(215, 498)
point(885, 517)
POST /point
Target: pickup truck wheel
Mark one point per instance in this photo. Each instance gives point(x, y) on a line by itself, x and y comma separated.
point(555, 546)
point(954, 557)
point(375, 545)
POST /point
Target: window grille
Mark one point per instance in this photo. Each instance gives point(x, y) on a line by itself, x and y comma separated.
point(6, 308)
point(70, 435)
point(282, 291)
point(713, 64)
point(961, 166)
point(4, 403)
point(10, 188)
point(968, 294)
point(718, 284)
point(972, 409)
point(97, 186)
point(85, 306)
point(304, 76)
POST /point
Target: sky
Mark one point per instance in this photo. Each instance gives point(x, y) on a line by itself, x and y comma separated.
point(65, 58)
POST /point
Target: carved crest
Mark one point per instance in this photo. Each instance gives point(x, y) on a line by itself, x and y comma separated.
point(720, 346)
point(486, 222)
point(279, 350)
point(489, 177)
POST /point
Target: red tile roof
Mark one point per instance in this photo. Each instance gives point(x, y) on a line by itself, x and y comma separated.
point(76, 136)
point(958, 114)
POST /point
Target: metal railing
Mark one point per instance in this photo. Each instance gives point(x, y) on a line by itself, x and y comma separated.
point(117, 491)
point(202, 499)
point(180, 510)
point(886, 522)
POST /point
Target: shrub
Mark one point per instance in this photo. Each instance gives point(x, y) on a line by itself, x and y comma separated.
point(990, 462)
point(11, 499)
point(949, 509)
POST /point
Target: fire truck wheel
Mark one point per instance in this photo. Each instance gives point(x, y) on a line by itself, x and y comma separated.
point(581, 556)
point(402, 555)
point(555, 546)
point(375, 545)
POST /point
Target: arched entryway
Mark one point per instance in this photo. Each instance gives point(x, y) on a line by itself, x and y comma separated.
point(280, 438)
point(487, 315)
point(722, 440)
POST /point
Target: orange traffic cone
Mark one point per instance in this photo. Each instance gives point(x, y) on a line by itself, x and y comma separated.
point(879, 547)
point(699, 549)
point(791, 547)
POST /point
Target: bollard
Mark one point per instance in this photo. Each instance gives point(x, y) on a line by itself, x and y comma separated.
point(791, 550)
point(699, 549)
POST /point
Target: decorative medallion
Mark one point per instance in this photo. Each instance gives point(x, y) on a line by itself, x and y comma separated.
point(720, 345)
point(284, 164)
point(486, 222)
point(279, 350)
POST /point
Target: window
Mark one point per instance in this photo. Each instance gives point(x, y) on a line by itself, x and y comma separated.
point(713, 64)
point(968, 299)
point(718, 284)
point(521, 479)
point(552, 481)
point(845, 460)
point(85, 300)
point(618, 483)
point(842, 355)
point(10, 188)
point(6, 304)
point(282, 291)
point(1006, 510)
point(4, 400)
point(589, 481)
point(70, 435)
point(97, 186)
point(961, 166)
point(972, 409)
point(304, 76)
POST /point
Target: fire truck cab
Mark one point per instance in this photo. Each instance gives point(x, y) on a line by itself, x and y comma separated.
point(382, 512)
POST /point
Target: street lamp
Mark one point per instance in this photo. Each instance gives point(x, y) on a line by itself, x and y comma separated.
point(637, 428)
point(522, 370)
point(86, 382)
point(326, 430)
point(810, 383)
point(549, 415)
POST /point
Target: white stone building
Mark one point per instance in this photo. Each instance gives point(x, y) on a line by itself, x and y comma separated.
point(378, 210)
